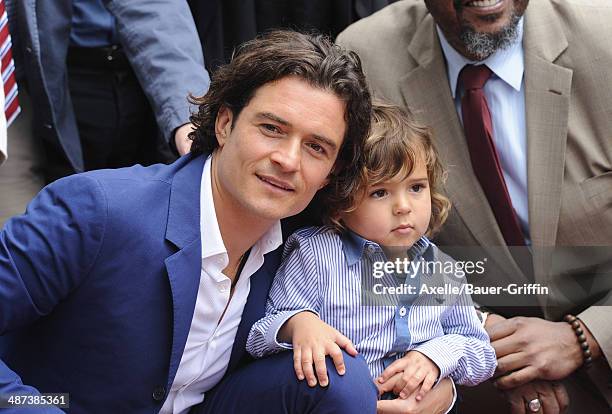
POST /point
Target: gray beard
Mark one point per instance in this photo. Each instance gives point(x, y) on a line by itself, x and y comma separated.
point(483, 45)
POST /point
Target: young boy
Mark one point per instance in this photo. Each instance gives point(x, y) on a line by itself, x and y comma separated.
point(412, 339)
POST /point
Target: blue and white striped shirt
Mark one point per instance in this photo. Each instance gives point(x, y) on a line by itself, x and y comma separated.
point(331, 274)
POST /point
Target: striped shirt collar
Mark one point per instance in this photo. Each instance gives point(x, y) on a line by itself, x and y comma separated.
point(354, 247)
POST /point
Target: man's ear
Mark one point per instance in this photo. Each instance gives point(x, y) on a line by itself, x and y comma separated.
point(223, 124)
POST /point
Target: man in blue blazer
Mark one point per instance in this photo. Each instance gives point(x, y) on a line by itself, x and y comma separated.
point(133, 290)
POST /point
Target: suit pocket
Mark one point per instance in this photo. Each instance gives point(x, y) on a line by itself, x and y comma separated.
point(597, 194)
point(598, 191)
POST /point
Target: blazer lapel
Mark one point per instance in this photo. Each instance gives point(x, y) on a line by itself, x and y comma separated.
point(434, 104)
point(547, 100)
point(183, 230)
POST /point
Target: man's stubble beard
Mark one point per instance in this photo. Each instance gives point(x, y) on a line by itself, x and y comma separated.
point(483, 45)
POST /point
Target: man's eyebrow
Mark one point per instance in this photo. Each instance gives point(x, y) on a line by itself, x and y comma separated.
point(326, 141)
point(275, 118)
point(272, 117)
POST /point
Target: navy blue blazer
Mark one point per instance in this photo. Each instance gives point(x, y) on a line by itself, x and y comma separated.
point(98, 283)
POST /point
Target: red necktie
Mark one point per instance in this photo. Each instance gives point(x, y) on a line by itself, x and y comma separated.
point(11, 103)
point(485, 162)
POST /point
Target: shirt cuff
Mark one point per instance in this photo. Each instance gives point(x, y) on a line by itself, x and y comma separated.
point(597, 320)
point(277, 324)
point(438, 351)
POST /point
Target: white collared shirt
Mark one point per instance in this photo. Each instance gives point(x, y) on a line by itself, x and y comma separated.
point(505, 93)
point(210, 341)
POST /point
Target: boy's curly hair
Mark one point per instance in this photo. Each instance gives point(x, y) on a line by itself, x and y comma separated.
point(395, 143)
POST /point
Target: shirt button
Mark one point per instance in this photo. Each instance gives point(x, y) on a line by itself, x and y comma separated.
point(224, 286)
point(371, 249)
point(48, 126)
point(159, 393)
point(402, 311)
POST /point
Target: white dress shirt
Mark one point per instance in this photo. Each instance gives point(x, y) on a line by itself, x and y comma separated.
point(505, 93)
point(209, 344)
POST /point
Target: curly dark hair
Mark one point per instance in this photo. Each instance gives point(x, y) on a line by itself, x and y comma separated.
point(395, 144)
point(278, 54)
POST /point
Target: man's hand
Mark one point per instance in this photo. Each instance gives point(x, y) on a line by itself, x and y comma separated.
point(312, 339)
point(411, 372)
point(437, 401)
point(532, 348)
point(183, 143)
point(552, 395)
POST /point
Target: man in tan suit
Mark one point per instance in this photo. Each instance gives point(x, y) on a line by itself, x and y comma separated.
point(552, 128)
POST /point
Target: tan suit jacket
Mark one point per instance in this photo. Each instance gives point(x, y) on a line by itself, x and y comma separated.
point(568, 94)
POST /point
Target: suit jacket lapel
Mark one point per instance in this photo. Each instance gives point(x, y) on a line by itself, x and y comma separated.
point(254, 309)
point(183, 230)
point(183, 267)
point(434, 104)
point(547, 98)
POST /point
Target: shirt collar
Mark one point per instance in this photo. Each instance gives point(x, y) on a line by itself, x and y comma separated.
point(419, 248)
point(209, 226)
point(507, 64)
point(354, 247)
point(271, 239)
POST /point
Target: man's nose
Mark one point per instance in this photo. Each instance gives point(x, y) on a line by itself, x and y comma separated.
point(287, 155)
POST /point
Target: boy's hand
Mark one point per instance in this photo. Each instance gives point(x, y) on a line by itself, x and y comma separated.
point(407, 374)
point(312, 340)
point(438, 401)
point(398, 406)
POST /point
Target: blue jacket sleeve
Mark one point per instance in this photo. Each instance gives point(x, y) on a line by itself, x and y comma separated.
point(163, 47)
point(45, 254)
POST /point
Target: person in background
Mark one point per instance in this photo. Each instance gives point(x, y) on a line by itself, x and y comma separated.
point(84, 68)
point(21, 175)
point(517, 95)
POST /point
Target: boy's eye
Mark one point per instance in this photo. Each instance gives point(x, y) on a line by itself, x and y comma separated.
point(417, 188)
point(378, 193)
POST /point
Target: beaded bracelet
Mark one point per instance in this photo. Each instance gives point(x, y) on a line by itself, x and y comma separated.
point(582, 340)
